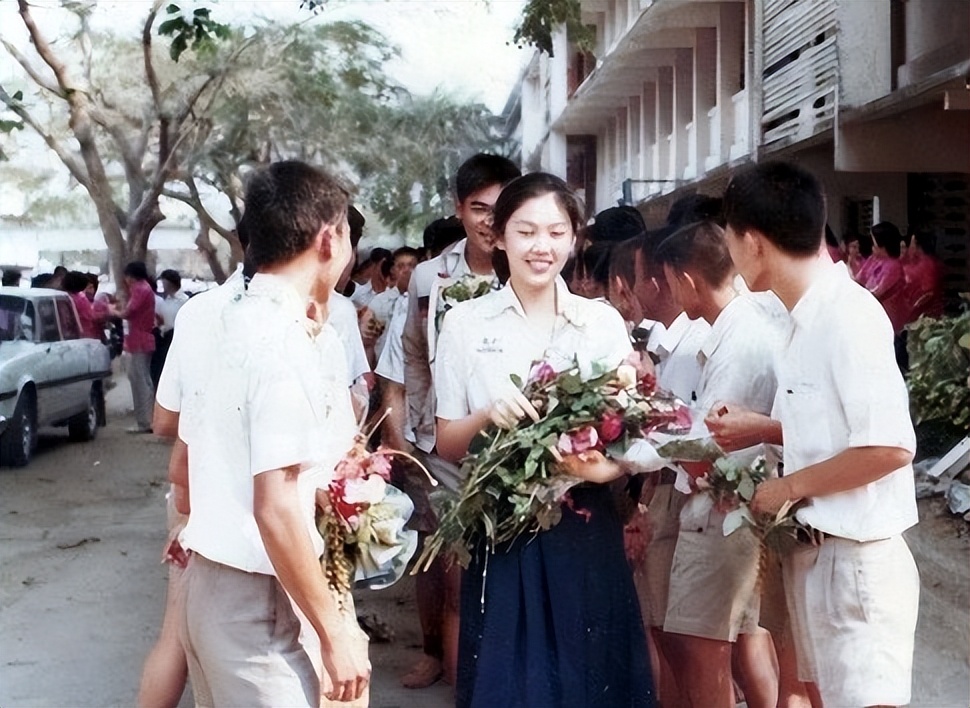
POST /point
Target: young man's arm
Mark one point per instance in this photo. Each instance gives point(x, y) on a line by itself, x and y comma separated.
point(282, 526)
point(393, 399)
point(852, 468)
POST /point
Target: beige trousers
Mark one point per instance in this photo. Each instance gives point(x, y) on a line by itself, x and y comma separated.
point(242, 640)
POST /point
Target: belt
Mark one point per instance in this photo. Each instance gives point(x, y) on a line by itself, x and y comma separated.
point(812, 537)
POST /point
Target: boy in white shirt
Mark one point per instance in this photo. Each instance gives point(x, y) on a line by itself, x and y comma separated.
point(853, 593)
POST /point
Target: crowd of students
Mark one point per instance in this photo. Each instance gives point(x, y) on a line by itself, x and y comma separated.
point(737, 307)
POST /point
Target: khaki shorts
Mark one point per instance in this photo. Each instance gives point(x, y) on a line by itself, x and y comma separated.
point(714, 580)
point(853, 609)
point(652, 578)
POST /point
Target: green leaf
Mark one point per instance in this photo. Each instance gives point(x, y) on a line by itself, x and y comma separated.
point(746, 489)
point(517, 380)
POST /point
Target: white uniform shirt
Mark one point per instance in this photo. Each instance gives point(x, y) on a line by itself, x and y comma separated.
point(676, 348)
point(483, 341)
point(198, 330)
point(343, 318)
point(166, 308)
point(839, 387)
point(382, 307)
point(738, 358)
point(391, 363)
point(362, 295)
point(277, 398)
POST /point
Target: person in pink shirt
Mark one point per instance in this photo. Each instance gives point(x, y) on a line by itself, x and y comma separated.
point(858, 250)
point(924, 277)
point(75, 284)
point(884, 276)
point(140, 342)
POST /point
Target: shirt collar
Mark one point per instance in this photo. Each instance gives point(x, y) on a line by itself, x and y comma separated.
point(818, 293)
point(667, 338)
point(570, 306)
point(720, 328)
point(453, 261)
point(279, 290)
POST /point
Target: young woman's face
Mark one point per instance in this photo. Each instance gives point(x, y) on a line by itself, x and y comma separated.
point(538, 239)
point(853, 248)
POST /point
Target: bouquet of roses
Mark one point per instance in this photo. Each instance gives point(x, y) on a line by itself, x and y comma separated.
point(512, 482)
point(361, 518)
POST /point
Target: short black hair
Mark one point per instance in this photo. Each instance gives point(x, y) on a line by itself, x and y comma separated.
point(865, 243)
point(286, 205)
point(75, 282)
point(378, 255)
point(623, 262)
point(172, 276)
point(692, 208)
point(405, 251)
point(887, 236)
point(441, 233)
point(698, 249)
point(596, 259)
point(356, 221)
point(481, 171)
point(11, 276)
point(617, 224)
point(783, 202)
point(137, 270)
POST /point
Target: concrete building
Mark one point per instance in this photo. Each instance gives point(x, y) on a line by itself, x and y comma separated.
point(873, 96)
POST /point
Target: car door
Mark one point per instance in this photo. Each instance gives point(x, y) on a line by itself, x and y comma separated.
point(46, 335)
point(72, 361)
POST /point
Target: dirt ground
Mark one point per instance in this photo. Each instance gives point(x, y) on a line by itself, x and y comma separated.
point(82, 589)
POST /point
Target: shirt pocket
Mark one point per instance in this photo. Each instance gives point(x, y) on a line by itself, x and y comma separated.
point(807, 404)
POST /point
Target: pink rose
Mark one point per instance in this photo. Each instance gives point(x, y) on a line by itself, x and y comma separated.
point(576, 442)
point(379, 463)
point(611, 427)
point(541, 373)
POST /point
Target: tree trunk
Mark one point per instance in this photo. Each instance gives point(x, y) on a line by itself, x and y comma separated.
point(204, 244)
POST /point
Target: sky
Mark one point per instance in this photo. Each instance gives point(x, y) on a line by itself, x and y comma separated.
point(461, 46)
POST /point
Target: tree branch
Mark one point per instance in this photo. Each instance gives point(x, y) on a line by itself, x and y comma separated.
point(73, 164)
point(44, 50)
point(34, 75)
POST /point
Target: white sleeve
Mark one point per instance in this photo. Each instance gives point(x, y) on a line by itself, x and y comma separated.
point(870, 387)
point(450, 377)
point(281, 417)
point(391, 364)
point(169, 392)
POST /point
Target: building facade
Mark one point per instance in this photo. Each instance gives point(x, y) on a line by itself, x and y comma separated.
point(872, 95)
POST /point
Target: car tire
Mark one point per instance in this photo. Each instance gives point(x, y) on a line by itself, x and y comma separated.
point(18, 441)
point(84, 426)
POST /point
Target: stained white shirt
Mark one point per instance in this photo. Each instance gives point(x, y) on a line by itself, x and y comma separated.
point(484, 341)
point(676, 348)
point(278, 398)
point(362, 295)
point(738, 358)
point(839, 387)
point(197, 332)
point(343, 317)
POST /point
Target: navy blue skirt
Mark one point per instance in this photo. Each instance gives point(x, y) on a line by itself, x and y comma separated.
point(560, 624)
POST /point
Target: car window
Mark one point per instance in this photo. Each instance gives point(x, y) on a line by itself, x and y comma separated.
point(47, 321)
point(13, 313)
point(70, 329)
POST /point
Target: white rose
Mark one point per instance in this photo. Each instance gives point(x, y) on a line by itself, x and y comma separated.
point(365, 491)
point(626, 375)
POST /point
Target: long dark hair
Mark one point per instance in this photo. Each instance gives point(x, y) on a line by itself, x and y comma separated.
point(518, 192)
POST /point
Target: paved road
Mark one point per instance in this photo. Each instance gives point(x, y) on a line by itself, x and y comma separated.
point(81, 588)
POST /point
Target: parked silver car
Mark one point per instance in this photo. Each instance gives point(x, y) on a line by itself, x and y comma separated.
point(49, 375)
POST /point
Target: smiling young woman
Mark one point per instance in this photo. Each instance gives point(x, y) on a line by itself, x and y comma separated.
point(557, 621)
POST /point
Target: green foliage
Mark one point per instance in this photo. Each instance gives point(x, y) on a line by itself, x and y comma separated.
point(200, 35)
point(540, 18)
point(10, 124)
point(939, 369)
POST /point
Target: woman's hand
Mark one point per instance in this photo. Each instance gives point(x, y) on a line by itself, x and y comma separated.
point(592, 466)
point(509, 408)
